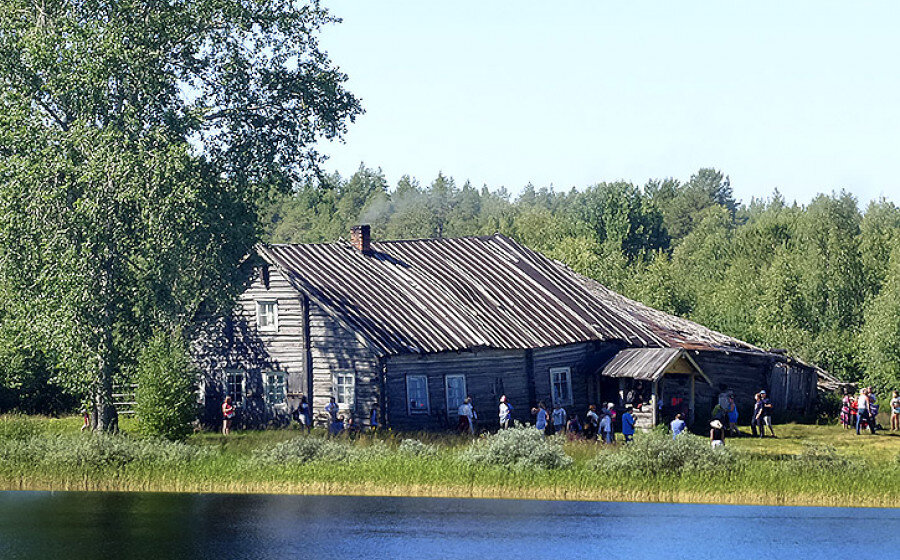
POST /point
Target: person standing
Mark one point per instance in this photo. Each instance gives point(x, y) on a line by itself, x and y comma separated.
point(540, 422)
point(846, 406)
point(302, 414)
point(678, 425)
point(559, 418)
point(716, 433)
point(573, 428)
point(628, 421)
point(873, 410)
point(591, 423)
point(863, 411)
point(331, 409)
point(895, 411)
point(505, 413)
point(227, 415)
point(732, 415)
point(756, 420)
point(466, 414)
point(373, 418)
point(606, 427)
point(766, 413)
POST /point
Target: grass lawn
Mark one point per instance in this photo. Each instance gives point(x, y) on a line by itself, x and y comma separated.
point(804, 465)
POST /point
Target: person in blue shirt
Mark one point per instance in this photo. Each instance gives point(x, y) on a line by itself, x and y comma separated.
point(678, 425)
point(628, 424)
point(605, 428)
point(541, 422)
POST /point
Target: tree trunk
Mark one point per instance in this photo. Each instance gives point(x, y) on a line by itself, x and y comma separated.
point(104, 417)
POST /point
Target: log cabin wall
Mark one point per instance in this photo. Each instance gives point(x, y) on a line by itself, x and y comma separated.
point(236, 344)
point(336, 351)
point(584, 360)
point(791, 388)
point(488, 374)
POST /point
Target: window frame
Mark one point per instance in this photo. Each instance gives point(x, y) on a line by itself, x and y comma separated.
point(227, 383)
point(409, 410)
point(453, 411)
point(267, 386)
point(336, 393)
point(270, 327)
point(570, 400)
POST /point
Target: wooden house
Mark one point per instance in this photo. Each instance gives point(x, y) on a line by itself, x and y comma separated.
point(410, 328)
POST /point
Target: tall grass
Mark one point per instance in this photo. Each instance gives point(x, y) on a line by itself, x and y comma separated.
point(34, 454)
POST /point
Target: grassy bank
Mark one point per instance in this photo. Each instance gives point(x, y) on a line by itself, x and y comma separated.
point(806, 465)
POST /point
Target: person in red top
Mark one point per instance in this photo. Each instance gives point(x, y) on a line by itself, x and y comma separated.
point(227, 416)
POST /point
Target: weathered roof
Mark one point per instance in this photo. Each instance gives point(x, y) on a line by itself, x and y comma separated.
point(673, 330)
point(434, 295)
point(642, 363)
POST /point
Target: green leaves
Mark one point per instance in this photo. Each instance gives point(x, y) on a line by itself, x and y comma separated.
point(137, 139)
point(166, 397)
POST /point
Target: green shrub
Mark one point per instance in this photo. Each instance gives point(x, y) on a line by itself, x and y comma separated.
point(819, 457)
point(305, 449)
point(656, 453)
point(415, 448)
point(166, 388)
point(96, 451)
point(517, 449)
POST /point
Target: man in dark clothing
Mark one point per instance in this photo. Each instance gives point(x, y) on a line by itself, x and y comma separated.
point(766, 415)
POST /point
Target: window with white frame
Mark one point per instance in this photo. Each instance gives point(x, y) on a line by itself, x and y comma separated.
point(417, 394)
point(561, 385)
point(234, 386)
point(345, 389)
point(455, 387)
point(267, 315)
point(276, 388)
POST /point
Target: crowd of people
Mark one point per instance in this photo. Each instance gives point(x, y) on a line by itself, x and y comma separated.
point(857, 411)
point(861, 411)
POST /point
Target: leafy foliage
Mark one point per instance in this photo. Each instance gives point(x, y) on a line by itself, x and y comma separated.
point(805, 279)
point(165, 397)
point(517, 449)
point(95, 450)
point(656, 454)
point(137, 139)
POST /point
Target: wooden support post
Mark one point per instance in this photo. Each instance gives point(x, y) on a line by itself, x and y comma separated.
point(654, 399)
point(693, 398)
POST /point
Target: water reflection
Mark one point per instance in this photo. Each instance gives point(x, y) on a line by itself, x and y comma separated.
point(162, 526)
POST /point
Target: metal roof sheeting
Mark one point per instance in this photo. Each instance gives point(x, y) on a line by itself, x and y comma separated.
point(436, 295)
point(648, 364)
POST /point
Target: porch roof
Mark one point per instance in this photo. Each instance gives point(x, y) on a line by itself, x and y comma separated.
point(648, 364)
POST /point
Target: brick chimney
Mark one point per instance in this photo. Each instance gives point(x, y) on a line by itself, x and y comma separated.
point(360, 238)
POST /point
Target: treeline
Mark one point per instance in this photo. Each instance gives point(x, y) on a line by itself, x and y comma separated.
point(821, 280)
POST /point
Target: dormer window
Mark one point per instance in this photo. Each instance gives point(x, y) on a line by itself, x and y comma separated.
point(267, 316)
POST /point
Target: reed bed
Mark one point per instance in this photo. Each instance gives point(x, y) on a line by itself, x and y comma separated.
point(813, 465)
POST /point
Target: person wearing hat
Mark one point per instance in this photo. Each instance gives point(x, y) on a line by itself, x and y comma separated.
point(716, 433)
point(505, 413)
point(766, 415)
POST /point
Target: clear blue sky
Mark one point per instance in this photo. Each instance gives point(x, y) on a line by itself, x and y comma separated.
point(801, 95)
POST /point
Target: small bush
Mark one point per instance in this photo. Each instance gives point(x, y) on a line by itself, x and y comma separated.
point(415, 448)
point(96, 451)
point(820, 457)
point(517, 449)
point(166, 388)
point(656, 453)
point(303, 450)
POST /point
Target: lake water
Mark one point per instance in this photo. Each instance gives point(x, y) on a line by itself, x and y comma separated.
point(75, 525)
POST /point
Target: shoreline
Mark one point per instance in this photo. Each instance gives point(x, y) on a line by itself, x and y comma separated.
point(455, 492)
